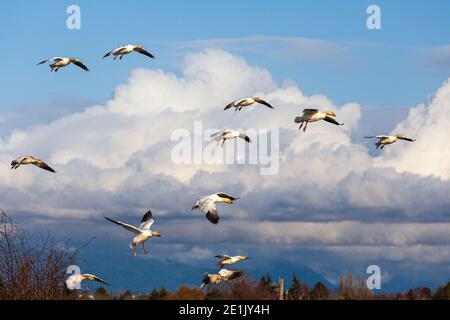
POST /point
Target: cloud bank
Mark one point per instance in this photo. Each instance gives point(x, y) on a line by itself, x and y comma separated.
point(329, 191)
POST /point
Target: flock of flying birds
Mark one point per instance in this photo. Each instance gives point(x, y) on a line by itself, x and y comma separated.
point(206, 204)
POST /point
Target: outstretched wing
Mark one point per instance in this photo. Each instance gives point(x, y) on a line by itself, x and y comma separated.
point(310, 111)
point(381, 137)
point(213, 216)
point(229, 274)
point(51, 59)
point(125, 226)
point(92, 277)
point(110, 53)
point(223, 256)
point(331, 120)
point(114, 51)
point(80, 64)
point(147, 221)
point(261, 101)
point(41, 164)
point(233, 104)
point(145, 53)
point(206, 280)
point(219, 133)
point(224, 195)
point(208, 207)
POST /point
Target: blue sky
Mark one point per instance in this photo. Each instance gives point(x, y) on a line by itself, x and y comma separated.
point(336, 204)
point(382, 58)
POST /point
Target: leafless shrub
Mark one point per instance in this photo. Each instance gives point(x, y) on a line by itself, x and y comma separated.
point(31, 268)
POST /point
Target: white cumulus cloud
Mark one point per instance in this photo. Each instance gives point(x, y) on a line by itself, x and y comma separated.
point(116, 158)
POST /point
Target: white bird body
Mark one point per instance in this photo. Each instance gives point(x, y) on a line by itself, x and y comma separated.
point(242, 103)
point(317, 116)
point(141, 237)
point(124, 50)
point(228, 260)
point(246, 102)
point(384, 140)
point(388, 139)
point(143, 233)
point(314, 115)
point(230, 134)
point(60, 62)
point(207, 205)
point(73, 282)
point(25, 160)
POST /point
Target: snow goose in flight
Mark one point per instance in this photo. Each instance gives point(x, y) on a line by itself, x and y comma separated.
point(121, 51)
point(143, 233)
point(63, 62)
point(230, 134)
point(73, 282)
point(223, 275)
point(227, 260)
point(30, 160)
point(313, 115)
point(207, 205)
point(239, 104)
point(385, 140)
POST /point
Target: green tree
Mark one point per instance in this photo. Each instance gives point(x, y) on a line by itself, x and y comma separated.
point(298, 290)
point(266, 283)
point(158, 294)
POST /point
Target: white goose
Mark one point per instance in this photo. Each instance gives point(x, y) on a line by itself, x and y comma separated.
point(30, 160)
point(313, 115)
point(207, 205)
point(385, 140)
point(63, 62)
point(73, 282)
point(228, 260)
point(223, 275)
point(230, 134)
point(241, 103)
point(143, 233)
point(121, 51)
